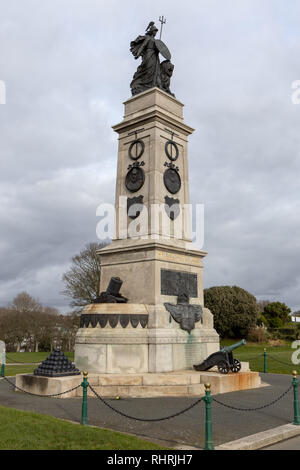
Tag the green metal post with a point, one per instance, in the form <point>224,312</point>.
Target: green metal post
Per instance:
<point>84,414</point>
<point>3,360</point>
<point>296,402</point>
<point>265,361</point>
<point>209,445</point>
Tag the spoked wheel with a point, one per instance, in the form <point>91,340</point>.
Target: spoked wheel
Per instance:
<point>223,367</point>
<point>236,366</point>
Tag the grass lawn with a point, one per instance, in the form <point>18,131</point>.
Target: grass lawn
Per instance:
<point>27,357</point>
<point>22,430</point>
<point>32,356</point>
<point>245,353</point>
<point>14,370</point>
<point>283,354</point>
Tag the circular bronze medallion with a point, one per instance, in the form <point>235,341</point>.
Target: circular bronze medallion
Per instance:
<point>171,150</point>
<point>136,149</point>
<point>135,179</point>
<point>172,180</point>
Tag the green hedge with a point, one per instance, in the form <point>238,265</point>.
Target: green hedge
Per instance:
<point>285,333</point>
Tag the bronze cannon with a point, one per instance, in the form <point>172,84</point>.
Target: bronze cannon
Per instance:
<point>223,359</point>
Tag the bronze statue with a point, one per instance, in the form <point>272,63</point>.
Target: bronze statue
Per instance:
<point>151,73</point>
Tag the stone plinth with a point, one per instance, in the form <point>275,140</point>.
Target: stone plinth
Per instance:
<point>139,339</point>
<point>181,383</point>
<point>231,382</point>
<point>48,385</point>
<point>140,264</point>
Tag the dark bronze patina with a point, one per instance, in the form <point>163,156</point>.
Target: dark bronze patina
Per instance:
<point>151,73</point>
<point>135,178</point>
<point>184,313</point>
<point>172,178</point>
<point>102,320</point>
<point>135,206</point>
<point>136,149</point>
<point>175,282</point>
<point>172,151</point>
<point>112,294</point>
<point>172,207</point>
<point>223,359</point>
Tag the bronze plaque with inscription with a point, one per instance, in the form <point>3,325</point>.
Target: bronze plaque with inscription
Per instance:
<point>177,282</point>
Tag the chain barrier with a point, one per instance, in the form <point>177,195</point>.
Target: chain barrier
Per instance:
<point>144,419</point>
<point>37,395</point>
<point>254,409</point>
<point>255,357</point>
<point>277,360</point>
<point>21,362</point>
<point>207,399</point>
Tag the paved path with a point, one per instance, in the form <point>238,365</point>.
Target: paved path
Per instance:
<point>290,444</point>
<point>188,429</point>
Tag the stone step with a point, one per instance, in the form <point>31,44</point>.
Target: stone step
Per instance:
<point>171,384</point>
<point>169,378</point>
<point>224,383</point>
<point>135,391</point>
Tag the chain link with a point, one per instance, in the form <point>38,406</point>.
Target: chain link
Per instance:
<point>36,394</point>
<point>144,419</point>
<point>254,409</point>
<point>277,360</point>
<point>255,357</point>
<point>20,362</point>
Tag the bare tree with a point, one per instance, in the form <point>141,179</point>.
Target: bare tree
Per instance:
<point>11,329</point>
<point>24,311</point>
<point>27,324</point>
<point>82,281</point>
<point>24,303</point>
<point>262,304</point>
<point>69,325</point>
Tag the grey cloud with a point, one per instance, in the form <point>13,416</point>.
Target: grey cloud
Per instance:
<point>67,68</point>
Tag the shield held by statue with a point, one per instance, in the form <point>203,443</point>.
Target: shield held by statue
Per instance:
<point>164,51</point>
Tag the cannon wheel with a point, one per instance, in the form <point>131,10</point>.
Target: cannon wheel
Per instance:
<point>236,366</point>
<point>223,367</point>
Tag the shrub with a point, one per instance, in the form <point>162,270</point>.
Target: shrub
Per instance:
<point>277,314</point>
<point>257,335</point>
<point>275,343</point>
<point>235,310</point>
<point>288,334</point>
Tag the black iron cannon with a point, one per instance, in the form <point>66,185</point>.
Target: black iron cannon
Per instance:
<point>223,359</point>
<point>112,294</point>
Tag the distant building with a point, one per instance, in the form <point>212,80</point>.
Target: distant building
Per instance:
<point>296,316</point>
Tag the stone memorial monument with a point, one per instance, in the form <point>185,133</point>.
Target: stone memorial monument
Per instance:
<point>149,327</point>
<point>163,325</point>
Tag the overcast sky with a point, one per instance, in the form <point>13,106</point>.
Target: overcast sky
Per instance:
<point>67,69</point>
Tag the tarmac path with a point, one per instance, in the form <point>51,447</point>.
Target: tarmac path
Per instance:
<point>188,428</point>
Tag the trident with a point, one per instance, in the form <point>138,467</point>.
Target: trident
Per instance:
<point>163,21</point>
